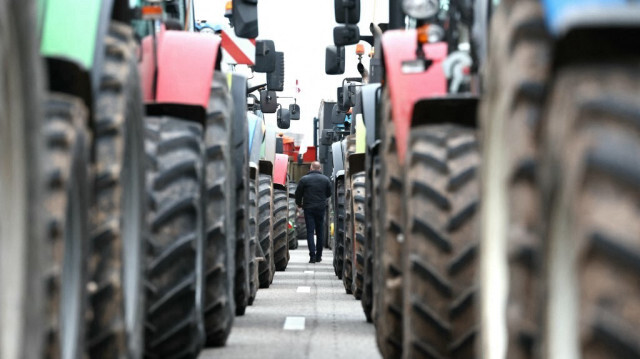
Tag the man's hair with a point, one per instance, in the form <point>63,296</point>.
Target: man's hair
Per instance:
<point>316,166</point>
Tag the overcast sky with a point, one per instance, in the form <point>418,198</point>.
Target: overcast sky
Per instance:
<point>302,29</point>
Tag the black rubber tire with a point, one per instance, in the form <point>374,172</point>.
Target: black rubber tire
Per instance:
<point>219,221</point>
<point>441,199</point>
<point>347,266</point>
<point>301,225</point>
<point>254,282</point>
<point>338,257</point>
<point>371,211</point>
<point>175,251</point>
<point>26,247</point>
<point>388,320</point>
<point>590,181</point>
<point>266,268</point>
<point>292,213</point>
<point>244,255</point>
<point>280,231</point>
<point>358,192</point>
<point>67,207</point>
<point>118,218</point>
<point>517,72</point>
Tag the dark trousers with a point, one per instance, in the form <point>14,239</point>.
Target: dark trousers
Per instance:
<point>314,219</point>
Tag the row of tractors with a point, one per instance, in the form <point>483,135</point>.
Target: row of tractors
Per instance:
<point>487,180</point>
<point>143,195</point>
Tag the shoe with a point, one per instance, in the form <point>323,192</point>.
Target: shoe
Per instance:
<point>319,259</point>
<point>312,260</point>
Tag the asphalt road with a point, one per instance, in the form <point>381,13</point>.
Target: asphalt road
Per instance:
<point>304,314</point>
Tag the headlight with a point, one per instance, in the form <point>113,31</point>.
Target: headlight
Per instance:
<point>207,30</point>
<point>420,9</point>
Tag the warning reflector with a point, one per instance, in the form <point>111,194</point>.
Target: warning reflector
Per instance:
<point>238,50</point>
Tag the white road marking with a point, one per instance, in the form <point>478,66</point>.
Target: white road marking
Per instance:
<point>304,290</point>
<point>308,272</point>
<point>294,323</point>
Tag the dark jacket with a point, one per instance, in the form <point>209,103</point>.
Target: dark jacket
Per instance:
<point>313,190</point>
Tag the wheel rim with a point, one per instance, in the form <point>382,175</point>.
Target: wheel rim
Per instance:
<point>493,261</point>
<point>71,313</point>
<point>132,241</point>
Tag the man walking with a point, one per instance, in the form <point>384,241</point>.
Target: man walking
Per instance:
<point>311,194</point>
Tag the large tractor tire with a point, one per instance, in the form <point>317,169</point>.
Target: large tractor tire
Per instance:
<point>388,285</point>
<point>175,248</point>
<point>347,272</point>
<point>220,218</point>
<point>118,220</point>
<point>340,214</point>
<point>441,199</point>
<point>244,256</point>
<point>301,225</point>
<point>372,189</point>
<point>358,205</point>
<point>266,268</point>
<point>36,171</point>
<point>590,183</point>
<point>280,230</point>
<point>292,213</point>
<point>510,272</point>
<point>254,282</point>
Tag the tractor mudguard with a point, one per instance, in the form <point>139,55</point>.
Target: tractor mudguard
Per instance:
<point>270,144</point>
<point>406,89</point>
<point>255,137</point>
<point>370,98</point>
<point>356,163</point>
<point>361,134</point>
<point>280,170</point>
<point>338,164</point>
<point>186,62</point>
<point>77,39</point>
<point>239,96</point>
<point>460,109</point>
<point>563,15</point>
<point>253,170</point>
<point>592,30</point>
<point>265,168</point>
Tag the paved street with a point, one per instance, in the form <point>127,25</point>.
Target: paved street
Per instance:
<point>304,314</point>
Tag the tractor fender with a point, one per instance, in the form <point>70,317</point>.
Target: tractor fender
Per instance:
<point>370,98</point>
<point>356,163</point>
<point>592,31</point>
<point>338,162</point>
<point>460,109</point>
<point>265,168</point>
<point>361,134</point>
<point>255,137</point>
<point>186,62</point>
<point>74,45</point>
<point>270,144</point>
<point>406,89</point>
<point>280,170</point>
<point>253,170</point>
<point>239,96</point>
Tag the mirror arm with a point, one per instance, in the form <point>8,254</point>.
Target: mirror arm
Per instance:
<point>254,88</point>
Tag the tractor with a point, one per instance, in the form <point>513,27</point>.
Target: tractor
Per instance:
<point>559,218</point>
<point>73,168</point>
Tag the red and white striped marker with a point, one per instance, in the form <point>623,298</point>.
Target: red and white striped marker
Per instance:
<point>238,50</point>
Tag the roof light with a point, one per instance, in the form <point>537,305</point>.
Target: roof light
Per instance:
<point>152,12</point>
<point>423,34</point>
<point>228,9</point>
<point>359,49</point>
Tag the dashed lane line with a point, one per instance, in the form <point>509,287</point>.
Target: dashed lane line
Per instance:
<point>294,323</point>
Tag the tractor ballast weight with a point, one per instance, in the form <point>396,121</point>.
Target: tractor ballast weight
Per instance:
<point>405,91</point>
<point>280,170</point>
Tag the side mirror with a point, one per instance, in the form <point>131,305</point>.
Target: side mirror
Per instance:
<point>327,137</point>
<point>294,111</point>
<point>245,18</point>
<point>348,95</point>
<point>337,116</point>
<point>283,118</point>
<point>334,60</point>
<point>346,35</point>
<point>347,11</point>
<point>268,101</point>
<point>265,56</point>
<point>340,102</point>
<point>275,79</point>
